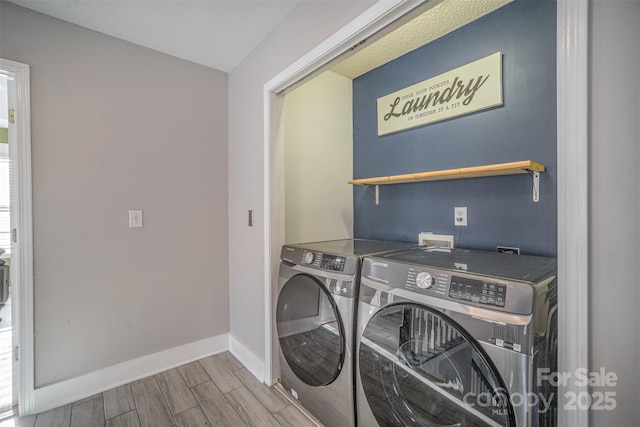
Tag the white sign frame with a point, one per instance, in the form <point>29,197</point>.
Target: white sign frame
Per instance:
<point>472,87</point>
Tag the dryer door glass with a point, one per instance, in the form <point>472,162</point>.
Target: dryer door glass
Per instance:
<point>310,330</point>
<point>420,368</point>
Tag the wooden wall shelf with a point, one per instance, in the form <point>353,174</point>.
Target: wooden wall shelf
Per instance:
<point>512,168</point>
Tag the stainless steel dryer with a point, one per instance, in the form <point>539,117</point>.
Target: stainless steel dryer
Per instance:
<point>455,337</point>
<point>315,315</point>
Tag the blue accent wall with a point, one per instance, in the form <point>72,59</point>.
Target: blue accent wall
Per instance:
<point>501,210</point>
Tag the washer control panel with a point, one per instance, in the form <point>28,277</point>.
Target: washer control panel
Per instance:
<point>478,291</point>
<point>433,282</point>
<point>424,280</point>
<point>460,286</point>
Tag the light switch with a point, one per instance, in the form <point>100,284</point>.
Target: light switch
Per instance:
<point>135,218</point>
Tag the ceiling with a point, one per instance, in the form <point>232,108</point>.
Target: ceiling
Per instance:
<point>214,33</point>
<point>439,18</point>
<point>221,33</point>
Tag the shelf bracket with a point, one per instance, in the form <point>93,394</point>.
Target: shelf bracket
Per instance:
<point>376,190</point>
<point>536,185</point>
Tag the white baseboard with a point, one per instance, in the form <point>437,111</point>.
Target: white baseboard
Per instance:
<point>77,388</point>
<point>253,363</point>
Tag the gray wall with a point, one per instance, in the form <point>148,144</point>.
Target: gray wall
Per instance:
<point>118,127</point>
<point>306,26</point>
<point>615,206</point>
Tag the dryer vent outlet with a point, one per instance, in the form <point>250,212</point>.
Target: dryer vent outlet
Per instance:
<point>508,250</point>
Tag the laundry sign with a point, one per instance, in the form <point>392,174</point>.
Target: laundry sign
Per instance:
<point>472,87</point>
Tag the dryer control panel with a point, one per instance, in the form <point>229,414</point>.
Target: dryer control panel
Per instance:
<point>323,261</point>
<point>320,261</point>
<point>332,262</point>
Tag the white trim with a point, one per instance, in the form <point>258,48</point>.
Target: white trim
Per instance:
<point>253,363</point>
<point>74,389</point>
<point>274,221</point>
<point>573,200</point>
<point>378,17</point>
<point>22,256</point>
<point>268,238</point>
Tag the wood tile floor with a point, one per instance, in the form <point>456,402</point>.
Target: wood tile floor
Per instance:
<point>214,391</point>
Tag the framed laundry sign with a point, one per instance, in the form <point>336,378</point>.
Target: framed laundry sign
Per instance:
<point>467,89</point>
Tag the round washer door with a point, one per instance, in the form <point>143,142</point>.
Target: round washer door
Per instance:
<point>310,330</point>
<point>418,367</point>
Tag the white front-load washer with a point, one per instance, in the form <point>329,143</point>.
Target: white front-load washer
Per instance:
<point>318,285</point>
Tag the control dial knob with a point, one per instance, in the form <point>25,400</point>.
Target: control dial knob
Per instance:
<point>308,258</point>
<point>424,280</point>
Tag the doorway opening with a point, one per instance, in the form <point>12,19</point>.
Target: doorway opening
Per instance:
<point>16,278</point>
<point>572,30</point>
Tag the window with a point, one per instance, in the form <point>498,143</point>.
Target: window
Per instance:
<point>5,221</point>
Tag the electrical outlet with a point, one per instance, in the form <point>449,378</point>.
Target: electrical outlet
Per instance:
<point>460,216</point>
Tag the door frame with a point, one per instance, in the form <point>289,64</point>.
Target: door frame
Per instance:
<point>572,45</point>
<point>573,29</point>
<point>21,218</point>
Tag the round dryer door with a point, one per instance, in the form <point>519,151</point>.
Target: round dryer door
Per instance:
<point>418,367</point>
<point>310,330</point>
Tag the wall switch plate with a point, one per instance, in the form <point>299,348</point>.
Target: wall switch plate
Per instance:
<point>135,218</point>
<point>460,216</point>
